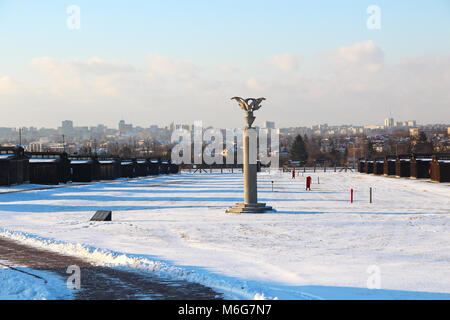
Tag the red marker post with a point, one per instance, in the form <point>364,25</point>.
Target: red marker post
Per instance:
<point>351,195</point>
<point>308,183</point>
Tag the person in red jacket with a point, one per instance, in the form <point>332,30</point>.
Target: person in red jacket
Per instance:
<point>293,174</point>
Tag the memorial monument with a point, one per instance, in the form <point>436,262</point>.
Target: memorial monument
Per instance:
<point>250,204</point>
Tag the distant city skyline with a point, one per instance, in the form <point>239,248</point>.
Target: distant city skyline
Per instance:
<point>74,138</point>
<point>123,125</point>
<point>154,62</point>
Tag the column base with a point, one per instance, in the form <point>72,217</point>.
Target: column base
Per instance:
<point>240,208</point>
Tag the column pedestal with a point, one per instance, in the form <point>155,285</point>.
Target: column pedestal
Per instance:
<point>250,208</point>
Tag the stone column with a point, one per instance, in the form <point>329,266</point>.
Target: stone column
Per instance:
<point>250,136</point>
<point>250,167</point>
<point>250,204</point>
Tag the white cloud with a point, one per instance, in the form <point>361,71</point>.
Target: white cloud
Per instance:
<point>94,66</point>
<point>226,68</point>
<point>344,89</point>
<point>82,78</point>
<point>362,52</point>
<point>285,62</point>
<point>365,55</point>
<point>8,86</point>
<point>254,84</point>
<point>164,66</point>
<point>98,66</point>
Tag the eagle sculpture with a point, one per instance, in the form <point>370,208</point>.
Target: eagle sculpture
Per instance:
<point>249,105</point>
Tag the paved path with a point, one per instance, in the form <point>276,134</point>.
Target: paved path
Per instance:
<point>99,283</point>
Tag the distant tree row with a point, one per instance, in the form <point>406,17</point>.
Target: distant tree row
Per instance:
<point>308,150</point>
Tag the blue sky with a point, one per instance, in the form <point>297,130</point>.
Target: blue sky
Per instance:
<point>217,31</point>
<point>214,33</point>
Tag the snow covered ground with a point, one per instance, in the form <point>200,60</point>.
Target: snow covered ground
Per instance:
<point>316,246</point>
<point>17,285</point>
